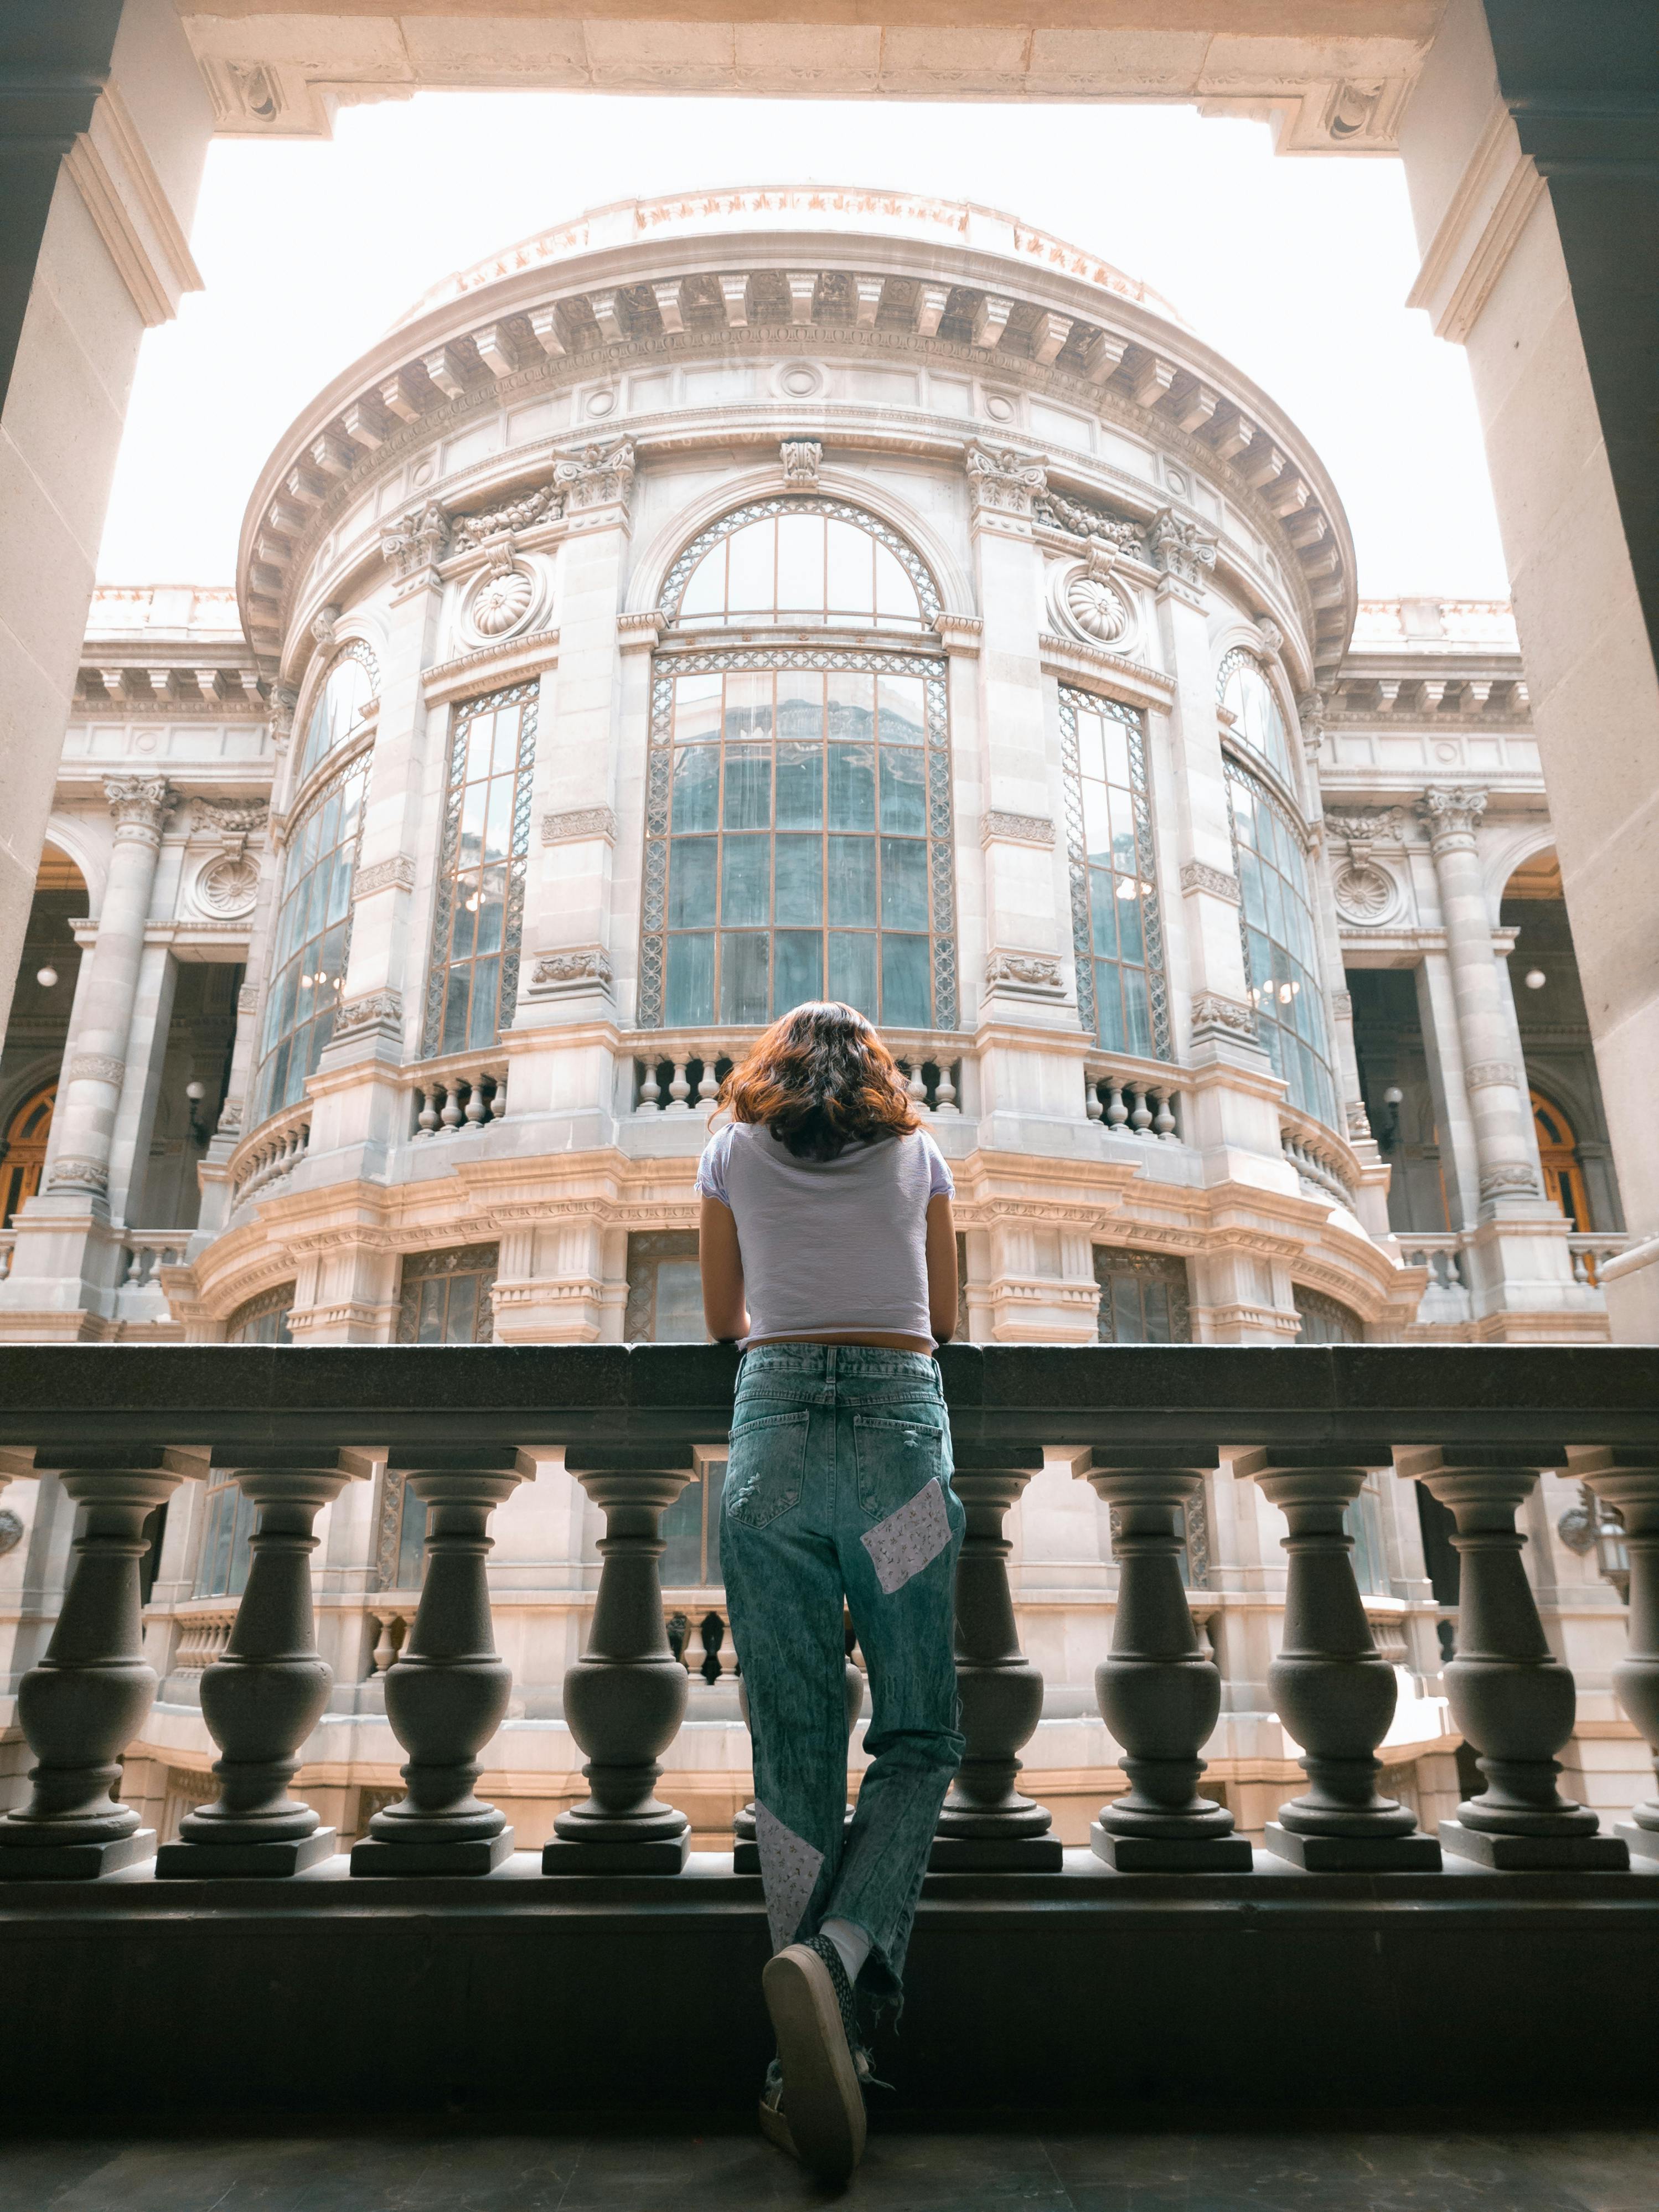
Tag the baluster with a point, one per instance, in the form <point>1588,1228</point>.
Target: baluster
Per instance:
<point>985,1822</point>
<point>451,1115</point>
<point>1116,1112</point>
<point>84,1702</point>
<point>649,1090</point>
<point>745,1851</point>
<point>385,1649</point>
<point>426,1119</point>
<point>446,1693</point>
<point>269,1688</point>
<point>1092,1106</point>
<point>1160,1691</point>
<point>1512,1697</point>
<point>1630,1481</point>
<point>625,1697</point>
<point>707,1085</point>
<point>498,1102</point>
<point>914,1084</point>
<point>1330,1688</point>
<point>711,1634</point>
<point>478,1109</point>
<point>1141,1120</point>
<point>1580,1270</point>
<point>680,1089</point>
<point>130,1269</point>
<point>944,1093</point>
<point>1163,1125</point>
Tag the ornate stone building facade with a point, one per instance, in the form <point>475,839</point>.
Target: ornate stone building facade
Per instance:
<point>728,600</point>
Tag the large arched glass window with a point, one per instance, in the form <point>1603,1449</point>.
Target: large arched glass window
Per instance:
<point>1281,962</point>
<point>472,984</point>
<point>1116,927</point>
<point>791,563</point>
<point>346,694</point>
<point>310,942</point>
<point>1257,722</point>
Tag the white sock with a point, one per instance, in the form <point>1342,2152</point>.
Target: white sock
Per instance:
<point>851,1942</point>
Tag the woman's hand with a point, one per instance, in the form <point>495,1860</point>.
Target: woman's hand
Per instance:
<point>724,1309</point>
<point>943,1291</point>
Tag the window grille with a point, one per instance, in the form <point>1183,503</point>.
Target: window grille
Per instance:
<point>343,697</point>
<point>477,923</point>
<point>1117,926</point>
<point>799,561</point>
<point>1243,688</point>
<point>1281,959</point>
<point>1144,1298</point>
<point>312,941</point>
<point>665,1288</point>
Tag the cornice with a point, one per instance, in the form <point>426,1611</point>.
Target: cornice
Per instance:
<point>1130,680</point>
<point>1482,225</point>
<point>510,662</point>
<point>130,210</point>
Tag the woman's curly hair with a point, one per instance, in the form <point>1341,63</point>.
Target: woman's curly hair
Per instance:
<point>821,1079</point>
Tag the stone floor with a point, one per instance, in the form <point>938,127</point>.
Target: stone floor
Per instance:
<point>1316,2170</point>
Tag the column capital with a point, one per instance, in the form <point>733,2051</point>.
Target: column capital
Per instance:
<point>597,475</point>
<point>1180,547</point>
<point>139,804</point>
<point>1450,813</point>
<point>1003,485</point>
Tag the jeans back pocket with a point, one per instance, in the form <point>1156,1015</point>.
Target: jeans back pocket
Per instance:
<point>765,1468</point>
<point>896,1459</point>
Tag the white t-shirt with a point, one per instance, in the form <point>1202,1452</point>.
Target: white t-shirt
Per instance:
<point>830,1248</point>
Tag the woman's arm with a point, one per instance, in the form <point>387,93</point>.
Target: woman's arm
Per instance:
<point>723,1306</point>
<point>943,1291</point>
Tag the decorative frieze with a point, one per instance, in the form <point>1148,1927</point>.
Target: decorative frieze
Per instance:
<point>802,460</point>
<point>71,1172</point>
<point>1025,975</point>
<point>378,1010</point>
<point>95,1068</point>
<point>526,511</point>
<point>1051,510</point>
<point>1002,483</point>
<point>598,476</point>
<point>556,974</point>
<point>1488,1074</point>
<point>639,632</point>
<point>396,874</point>
<point>1509,1179</point>
<point>1016,829</point>
<point>228,818</point>
<point>1215,1014</point>
<point>1199,876</point>
<point>581,823</point>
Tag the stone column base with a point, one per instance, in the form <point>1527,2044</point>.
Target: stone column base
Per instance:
<point>214,1861</point>
<point>1354,1854</point>
<point>481,1854</point>
<point>74,1861</point>
<point>1171,1854</point>
<point>666,1856</point>
<point>1641,1843</point>
<point>995,1855</point>
<point>1533,1853</point>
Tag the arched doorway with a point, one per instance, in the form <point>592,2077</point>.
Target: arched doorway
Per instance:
<point>23,1152</point>
<point>1558,1153</point>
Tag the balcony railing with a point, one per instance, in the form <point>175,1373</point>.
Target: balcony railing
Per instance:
<point>680,1072</point>
<point>269,1155</point>
<point>123,1427</point>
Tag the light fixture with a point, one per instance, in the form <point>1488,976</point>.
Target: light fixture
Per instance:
<point>1535,978</point>
<point>1392,1099</point>
<point>196,1093</point>
<point>45,977</point>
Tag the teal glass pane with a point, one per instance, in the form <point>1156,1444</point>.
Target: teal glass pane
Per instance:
<point>411,1541</point>
<point>486,992</point>
<point>697,788</point>
<point>748,788</point>
<point>852,706</point>
<point>1128,1325</point>
<point>463,918</point>
<point>903,884</point>
<point>796,969</point>
<point>853,970</point>
<point>1108,1006</point>
<point>691,882</point>
<point>690,980</point>
<point>1137,1014</point>
<point>801,706</point>
<point>852,787</point>
<point>1131,938</point>
<point>749,703</point>
<point>903,792</point>
<point>491,896</point>
<point>799,896</point>
<point>800,787</point>
<point>1103,912</point>
<point>745,994</point>
<point>906,998</point>
<point>901,708</point>
<point>745,885</point>
<point>681,1566</point>
<point>1155,1308</point>
<point>455,997</point>
<point>853,881</point>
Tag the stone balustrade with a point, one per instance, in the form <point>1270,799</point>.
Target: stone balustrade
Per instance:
<point>145,1252</point>
<point>1324,1165</point>
<point>685,1074</point>
<point>1146,1426</point>
<point>8,1246</point>
<point>271,1153</point>
<point>457,1096</point>
<point>1124,1102</point>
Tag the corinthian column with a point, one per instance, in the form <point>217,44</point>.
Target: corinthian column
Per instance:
<point>94,1071</point>
<point>1505,1148</point>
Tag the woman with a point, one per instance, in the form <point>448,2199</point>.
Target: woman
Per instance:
<point>828,1251</point>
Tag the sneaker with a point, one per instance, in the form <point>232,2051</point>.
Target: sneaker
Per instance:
<point>774,2122</point>
<point>811,2002</point>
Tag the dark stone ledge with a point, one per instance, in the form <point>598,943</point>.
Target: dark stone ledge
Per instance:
<point>234,1396</point>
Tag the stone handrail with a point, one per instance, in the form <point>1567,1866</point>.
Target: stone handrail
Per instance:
<point>273,1150</point>
<point>1319,1155</point>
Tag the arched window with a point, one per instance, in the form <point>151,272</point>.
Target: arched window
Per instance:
<point>472,984</point>
<point>798,829</point>
<point>1281,962</point>
<point>1116,927</point>
<point>1325,1319</point>
<point>23,1154</point>
<point>1257,722</point>
<point>343,697</point>
<point>1558,1155</point>
<point>794,563</point>
<point>310,942</point>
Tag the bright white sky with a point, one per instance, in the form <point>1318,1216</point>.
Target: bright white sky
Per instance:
<point>1295,269</point>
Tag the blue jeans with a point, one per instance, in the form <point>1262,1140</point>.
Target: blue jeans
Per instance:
<point>838,1487</point>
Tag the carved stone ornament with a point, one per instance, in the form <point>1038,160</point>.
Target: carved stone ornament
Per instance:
<point>227,887</point>
<point>11,1530</point>
<point>378,1010</point>
<point>69,1172</point>
<point>1023,975</point>
<point>1198,876</point>
<point>502,602</point>
<point>1509,1179</point>
<point>247,998</point>
<point>1180,546</point>
<point>229,818</point>
<point>1311,709</point>
<point>1365,893</point>
<point>598,476</point>
<point>1214,1014</point>
<point>1491,1074</point>
<point>1095,607</point>
<point>1001,481</point>
<point>283,700</point>
<point>1342,1005</point>
<point>581,823</point>
<point>396,874</point>
<point>419,540</point>
<point>230,1119</point>
<point>1359,1120</point>
<point>587,969</point>
<point>469,532</point>
<point>95,1068</point>
<point>323,625</point>
<point>1054,512</point>
<point>139,804</point>
<point>1269,635</point>
<point>1016,829</point>
<point>1451,813</point>
<point>802,460</point>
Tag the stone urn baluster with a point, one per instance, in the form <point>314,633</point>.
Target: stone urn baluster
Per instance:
<point>985,1823</point>
<point>1160,1692</point>
<point>81,1705</point>
<point>1630,1481</point>
<point>625,1697</point>
<point>447,1691</point>
<point>269,1688</point>
<point>1510,1696</point>
<point>1332,1689</point>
